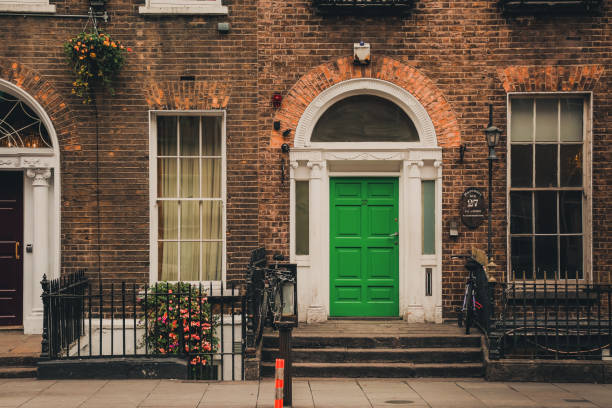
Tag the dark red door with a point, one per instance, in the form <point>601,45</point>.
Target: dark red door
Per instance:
<point>11,248</point>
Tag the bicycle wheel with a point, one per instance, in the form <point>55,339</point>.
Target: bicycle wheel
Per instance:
<point>468,311</point>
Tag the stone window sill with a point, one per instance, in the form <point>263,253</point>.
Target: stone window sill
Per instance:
<point>27,7</point>
<point>213,9</point>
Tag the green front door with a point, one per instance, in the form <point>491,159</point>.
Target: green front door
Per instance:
<point>364,261</point>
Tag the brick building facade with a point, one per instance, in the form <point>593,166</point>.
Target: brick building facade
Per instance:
<point>443,63</point>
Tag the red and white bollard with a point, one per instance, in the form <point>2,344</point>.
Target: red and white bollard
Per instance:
<point>279,382</point>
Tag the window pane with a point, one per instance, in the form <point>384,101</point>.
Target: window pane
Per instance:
<point>521,120</point>
<point>211,178</point>
<point>166,135</point>
<point>571,257</point>
<point>570,205</point>
<point>190,136</point>
<point>546,257</point>
<point>190,219</point>
<point>546,165</point>
<point>429,216</point>
<point>190,261</point>
<point>211,136</point>
<point>212,257</point>
<point>365,118</point>
<point>166,178</point>
<point>571,165</point>
<point>301,217</point>
<point>547,119</point>
<point>211,220</point>
<point>545,212</point>
<point>522,257</point>
<point>167,253</point>
<point>167,215</point>
<point>190,178</point>
<point>571,120</point>
<point>520,213</point>
<point>522,168</point>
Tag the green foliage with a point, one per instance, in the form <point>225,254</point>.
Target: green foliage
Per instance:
<point>95,58</point>
<point>179,321</point>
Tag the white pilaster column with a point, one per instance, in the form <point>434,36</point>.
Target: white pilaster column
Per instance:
<point>316,310</point>
<point>415,276</point>
<point>40,196</point>
<point>437,278</point>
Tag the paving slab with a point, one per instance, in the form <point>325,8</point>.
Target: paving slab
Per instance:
<point>600,395</point>
<point>231,394</point>
<point>302,398</point>
<point>121,393</point>
<point>550,395</point>
<point>385,393</point>
<point>14,392</point>
<point>338,393</point>
<point>176,393</point>
<point>65,394</point>
<point>497,395</point>
<point>444,394</point>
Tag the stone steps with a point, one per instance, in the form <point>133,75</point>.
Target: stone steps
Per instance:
<point>392,349</point>
<point>18,366</point>
<point>380,370</point>
<point>18,372</point>
<point>392,355</point>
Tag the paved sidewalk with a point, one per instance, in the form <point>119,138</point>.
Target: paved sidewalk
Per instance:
<point>319,393</point>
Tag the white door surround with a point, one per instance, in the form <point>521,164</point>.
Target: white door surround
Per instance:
<point>41,172</point>
<point>411,162</point>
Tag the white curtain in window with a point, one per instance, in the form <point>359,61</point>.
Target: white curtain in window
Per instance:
<point>194,220</point>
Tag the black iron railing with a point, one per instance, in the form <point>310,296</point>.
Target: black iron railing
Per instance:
<point>549,7</point>
<point>557,320</point>
<point>203,324</point>
<point>367,7</point>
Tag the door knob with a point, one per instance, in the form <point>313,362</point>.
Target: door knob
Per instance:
<point>395,234</point>
<point>17,250</point>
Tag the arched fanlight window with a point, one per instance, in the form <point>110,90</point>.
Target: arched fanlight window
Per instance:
<point>365,118</point>
<point>19,126</point>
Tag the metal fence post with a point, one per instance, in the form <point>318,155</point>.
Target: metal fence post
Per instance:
<point>44,354</point>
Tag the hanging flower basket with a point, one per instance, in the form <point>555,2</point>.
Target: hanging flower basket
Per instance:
<point>95,59</point>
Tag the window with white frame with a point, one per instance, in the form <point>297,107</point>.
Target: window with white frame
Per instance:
<point>190,198</point>
<point>164,7</point>
<point>548,176</point>
<point>27,6</point>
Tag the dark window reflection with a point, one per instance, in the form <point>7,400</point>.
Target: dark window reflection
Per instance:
<point>571,257</point>
<point>521,257</point>
<point>546,165</point>
<point>365,118</point>
<point>546,212</point>
<point>546,257</point>
<point>522,166</point>
<point>520,212</point>
<point>570,206</point>
<point>571,165</point>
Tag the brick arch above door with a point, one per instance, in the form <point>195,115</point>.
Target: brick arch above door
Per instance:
<point>320,78</point>
<point>49,98</point>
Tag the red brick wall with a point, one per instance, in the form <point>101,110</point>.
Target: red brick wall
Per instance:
<point>464,50</point>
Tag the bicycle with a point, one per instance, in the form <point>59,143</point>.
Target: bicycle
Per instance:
<point>467,313</point>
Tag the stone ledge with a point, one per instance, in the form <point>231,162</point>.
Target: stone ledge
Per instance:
<point>183,10</point>
<point>574,371</point>
<point>113,368</point>
<point>42,7</point>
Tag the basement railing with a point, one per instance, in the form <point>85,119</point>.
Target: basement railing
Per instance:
<point>202,325</point>
<point>551,320</point>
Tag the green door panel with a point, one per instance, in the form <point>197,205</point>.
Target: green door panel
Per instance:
<point>364,252</point>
